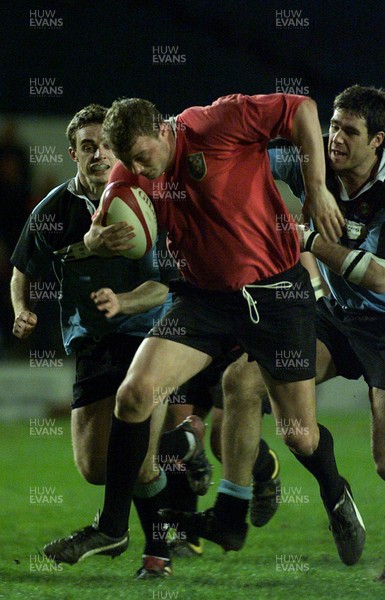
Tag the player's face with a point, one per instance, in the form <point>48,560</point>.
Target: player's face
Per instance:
<point>149,156</point>
<point>349,146</point>
<point>94,157</point>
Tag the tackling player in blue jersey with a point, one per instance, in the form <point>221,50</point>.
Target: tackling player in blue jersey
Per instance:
<point>103,342</point>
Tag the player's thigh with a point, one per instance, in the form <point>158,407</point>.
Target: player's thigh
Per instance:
<point>325,367</point>
<point>90,426</point>
<point>159,367</point>
<point>294,408</point>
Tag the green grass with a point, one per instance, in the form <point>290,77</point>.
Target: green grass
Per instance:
<point>298,533</point>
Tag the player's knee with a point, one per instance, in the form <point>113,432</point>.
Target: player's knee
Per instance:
<point>238,375</point>
<point>134,399</point>
<point>231,378</point>
<point>242,385</point>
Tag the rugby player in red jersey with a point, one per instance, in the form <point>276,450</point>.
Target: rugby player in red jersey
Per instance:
<point>232,260</point>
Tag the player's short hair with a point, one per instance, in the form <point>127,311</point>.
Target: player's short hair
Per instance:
<point>129,118</point>
<point>93,113</point>
<point>365,102</point>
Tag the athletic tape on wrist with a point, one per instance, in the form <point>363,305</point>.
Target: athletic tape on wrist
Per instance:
<point>308,239</point>
<point>355,265</point>
<point>380,261</point>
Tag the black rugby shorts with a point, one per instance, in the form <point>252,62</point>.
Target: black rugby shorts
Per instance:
<point>101,366</point>
<point>355,340</point>
<point>275,326</point>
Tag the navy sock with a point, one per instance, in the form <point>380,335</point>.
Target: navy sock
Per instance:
<point>322,464</point>
<point>181,496</point>
<point>232,503</point>
<point>127,449</point>
<point>152,525</point>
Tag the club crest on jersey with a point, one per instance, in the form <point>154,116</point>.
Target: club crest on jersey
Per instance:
<point>354,230</point>
<point>196,165</point>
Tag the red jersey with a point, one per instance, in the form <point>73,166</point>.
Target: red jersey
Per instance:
<point>218,200</point>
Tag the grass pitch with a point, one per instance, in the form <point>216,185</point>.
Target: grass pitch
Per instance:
<point>293,557</point>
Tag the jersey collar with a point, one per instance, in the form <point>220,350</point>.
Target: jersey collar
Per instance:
<point>75,187</point>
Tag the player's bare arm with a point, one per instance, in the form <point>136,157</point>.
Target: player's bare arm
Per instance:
<point>146,296</point>
<point>357,266</point>
<point>25,320</point>
<point>108,240</point>
<point>320,205</point>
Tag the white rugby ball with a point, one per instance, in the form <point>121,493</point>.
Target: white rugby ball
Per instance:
<point>123,202</point>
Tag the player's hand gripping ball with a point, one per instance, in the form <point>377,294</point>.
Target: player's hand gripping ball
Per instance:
<point>123,202</point>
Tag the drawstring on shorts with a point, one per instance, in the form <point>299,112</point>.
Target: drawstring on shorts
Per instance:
<point>253,303</point>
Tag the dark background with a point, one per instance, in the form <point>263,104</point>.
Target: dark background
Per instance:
<point>105,49</point>
<point>99,50</point>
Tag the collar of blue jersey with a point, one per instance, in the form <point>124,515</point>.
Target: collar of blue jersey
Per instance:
<point>75,187</point>
<point>380,176</point>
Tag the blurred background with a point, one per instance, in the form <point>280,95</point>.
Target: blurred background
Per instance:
<point>60,56</point>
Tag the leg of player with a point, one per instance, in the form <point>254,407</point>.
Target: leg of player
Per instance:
<point>312,445</point>
<point>158,365</point>
<point>244,393</point>
<point>243,389</point>
<point>241,406</point>
<point>90,426</point>
<point>150,494</point>
<point>325,367</point>
<point>184,436</point>
<point>184,443</point>
<point>225,523</point>
<point>377,402</point>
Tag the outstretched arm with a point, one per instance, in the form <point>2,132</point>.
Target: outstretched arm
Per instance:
<point>141,299</point>
<point>320,204</point>
<point>356,266</point>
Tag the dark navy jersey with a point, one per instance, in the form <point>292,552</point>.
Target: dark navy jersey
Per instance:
<point>364,218</point>
<point>53,238</point>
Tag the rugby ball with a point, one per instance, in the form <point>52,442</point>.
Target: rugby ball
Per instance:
<point>123,202</point>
